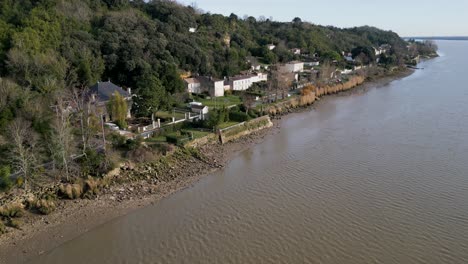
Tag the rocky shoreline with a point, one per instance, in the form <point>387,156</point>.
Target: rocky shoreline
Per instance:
<point>42,233</point>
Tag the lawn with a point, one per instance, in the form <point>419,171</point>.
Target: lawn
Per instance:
<point>197,133</point>
<point>227,124</point>
<point>219,102</point>
<point>169,114</point>
<point>158,139</point>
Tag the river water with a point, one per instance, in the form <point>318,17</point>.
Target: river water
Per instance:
<point>374,177</point>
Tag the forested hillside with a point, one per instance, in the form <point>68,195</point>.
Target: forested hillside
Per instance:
<point>49,47</point>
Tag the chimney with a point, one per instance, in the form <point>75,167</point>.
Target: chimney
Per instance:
<point>129,90</point>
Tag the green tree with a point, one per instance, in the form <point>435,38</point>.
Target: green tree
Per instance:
<point>150,96</point>
<point>171,80</point>
<point>118,108</point>
<point>5,181</point>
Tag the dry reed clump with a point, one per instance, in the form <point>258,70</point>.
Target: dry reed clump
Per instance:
<point>272,111</point>
<point>71,191</point>
<point>294,103</point>
<point>2,228</point>
<point>279,110</point>
<point>45,206</point>
<point>91,187</point>
<point>15,223</point>
<point>307,99</point>
<point>13,210</point>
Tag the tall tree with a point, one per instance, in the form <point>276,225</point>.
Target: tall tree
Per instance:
<point>62,141</point>
<point>118,108</point>
<point>23,148</point>
<point>150,96</point>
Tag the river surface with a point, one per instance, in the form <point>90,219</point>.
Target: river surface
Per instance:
<point>374,177</point>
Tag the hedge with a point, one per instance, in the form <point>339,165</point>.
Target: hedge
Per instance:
<point>238,116</point>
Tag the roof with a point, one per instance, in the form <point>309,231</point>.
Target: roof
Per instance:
<point>242,77</point>
<point>201,79</point>
<point>294,62</point>
<point>198,107</point>
<point>105,90</point>
<point>191,80</point>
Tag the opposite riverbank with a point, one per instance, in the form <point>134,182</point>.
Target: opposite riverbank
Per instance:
<point>72,218</point>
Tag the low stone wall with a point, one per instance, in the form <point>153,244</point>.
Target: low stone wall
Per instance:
<point>209,139</point>
<point>243,129</point>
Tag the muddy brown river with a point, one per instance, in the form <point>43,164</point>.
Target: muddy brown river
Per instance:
<point>374,177</point>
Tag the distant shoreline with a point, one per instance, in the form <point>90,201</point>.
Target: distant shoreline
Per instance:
<point>439,38</point>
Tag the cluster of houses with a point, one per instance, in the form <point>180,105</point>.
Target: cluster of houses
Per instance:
<point>217,87</point>
<point>383,49</point>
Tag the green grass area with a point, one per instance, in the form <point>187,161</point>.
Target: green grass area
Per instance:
<point>197,133</point>
<point>169,115</point>
<point>227,124</point>
<point>158,139</point>
<point>219,102</point>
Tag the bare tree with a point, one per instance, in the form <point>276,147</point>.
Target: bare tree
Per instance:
<point>83,111</point>
<point>248,101</point>
<point>62,136</point>
<point>272,84</point>
<point>285,82</point>
<point>326,72</point>
<point>23,141</point>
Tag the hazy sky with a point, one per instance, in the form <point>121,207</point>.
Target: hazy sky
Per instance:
<point>406,17</point>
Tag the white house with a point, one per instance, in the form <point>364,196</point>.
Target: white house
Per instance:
<point>312,63</point>
<point>192,30</point>
<point>193,85</point>
<point>201,84</point>
<point>255,67</point>
<point>271,46</point>
<point>202,110</point>
<point>244,82</point>
<point>348,57</point>
<point>346,71</point>
<point>293,66</point>
<point>240,83</point>
<point>259,77</point>
<point>296,51</point>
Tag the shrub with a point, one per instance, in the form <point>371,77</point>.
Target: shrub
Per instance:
<point>19,181</point>
<point>45,206</point>
<point>91,187</point>
<point>2,228</point>
<point>118,141</point>
<point>141,154</point>
<point>71,191</point>
<point>177,138</point>
<point>5,180</point>
<point>97,163</point>
<point>239,116</point>
<point>13,210</point>
<point>163,148</point>
<point>13,223</point>
<point>253,113</point>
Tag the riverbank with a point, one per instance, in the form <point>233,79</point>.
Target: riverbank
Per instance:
<point>75,217</point>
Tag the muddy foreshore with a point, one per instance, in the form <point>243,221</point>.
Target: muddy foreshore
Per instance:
<point>42,233</point>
